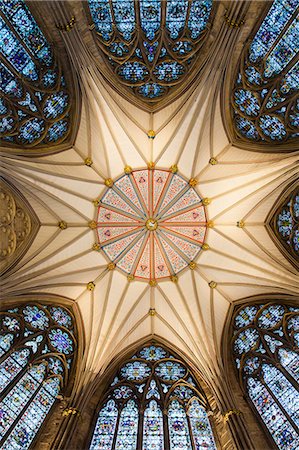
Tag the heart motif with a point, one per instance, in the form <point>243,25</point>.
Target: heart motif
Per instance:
<point>195,215</point>
<point>107,233</point>
<point>143,268</point>
<point>108,216</point>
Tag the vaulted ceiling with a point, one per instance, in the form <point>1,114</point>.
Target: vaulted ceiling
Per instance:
<point>239,186</point>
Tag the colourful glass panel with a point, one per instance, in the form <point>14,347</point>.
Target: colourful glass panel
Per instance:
<point>135,371</point>
<point>290,361</point>
<point>178,427</point>
<point>170,371</point>
<point>61,316</point>
<point>61,341</point>
<point>150,67</point>
<point>246,340</point>
<point>280,429</point>
<point>142,204</point>
<point>30,82</point>
<point>153,435</point>
<point>12,365</point>
<point>245,316</point>
<point>128,427</point>
<point>153,353</point>
<point>105,428</point>
<point>200,427</point>
<point>268,71</point>
<point>24,432</point>
<point>36,317</point>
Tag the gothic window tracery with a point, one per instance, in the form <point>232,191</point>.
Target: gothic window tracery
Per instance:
<point>151,46</point>
<point>37,352</point>
<point>265,102</point>
<point>283,224</point>
<point>153,402</point>
<point>35,102</point>
<point>266,354</point>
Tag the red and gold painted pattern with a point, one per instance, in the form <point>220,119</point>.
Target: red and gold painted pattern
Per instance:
<point>151,224</point>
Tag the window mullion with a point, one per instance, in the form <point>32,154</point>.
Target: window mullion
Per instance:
<point>166,429</point>
<point>23,410</point>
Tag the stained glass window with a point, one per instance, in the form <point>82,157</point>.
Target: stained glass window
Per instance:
<point>35,102</point>
<point>153,403</point>
<point>266,354</point>
<point>265,107</point>
<point>150,45</point>
<point>283,224</point>
<point>35,362</point>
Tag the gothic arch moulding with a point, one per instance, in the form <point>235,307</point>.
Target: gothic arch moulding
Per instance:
<point>263,344</point>
<point>263,90</point>
<point>282,223</point>
<point>150,51</point>
<point>19,226</point>
<point>38,106</point>
<point>39,349</point>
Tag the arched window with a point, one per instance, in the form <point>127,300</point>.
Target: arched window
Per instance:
<point>37,350</point>
<point>153,403</point>
<point>283,223</point>
<point>35,103</point>
<point>266,354</point>
<point>150,46</point>
<point>265,103</point>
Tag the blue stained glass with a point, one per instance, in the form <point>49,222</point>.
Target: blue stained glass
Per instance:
<point>17,12</point>
<point>124,17</point>
<point>280,429</point>
<point>246,102</point>
<point>36,317</point>
<point>57,130</point>
<point>283,390</point>
<point>245,316</point>
<point>15,53</point>
<point>61,316</point>
<point>200,426</point>
<point>135,371</point>
<point>246,128</point>
<point>49,79</point>
<point>119,49</point>
<point>296,240</point>
<point>153,353</point>
<point>31,130</point>
<point>253,75</point>
<point>11,366</point>
<point>150,50</point>
<point>274,99</point>
<point>199,15</point>
<point>19,395</point>
<point>183,393</point>
<point>290,81</point>
<point>105,427</point>
<point>169,71</point>
<point>246,341</point>
<point>55,366</point>
<point>251,365</point>
<point>24,432</point>
<point>5,342</point>
<point>128,427</point>
<point>55,105</point>
<point>170,371</point>
<point>176,12</point>
<point>285,223</point>
<point>276,19</point>
<point>182,47</point>
<point>153,436</point>
<point>133,72</point>
<point>151,90</point>
<point>3,108</point>
<point>290,361</point>
<point>273,344</point>
<point>150,17</point>
<point>272,127</point>
<point>122,392</point>
<point>294,120</point>
<point>271,316</point>
<point>7,124</point>
<point>10,323</point>
<point>101,15</point>
<point>152,390</point>
<point>61,341</point>
<point>9,85</point>
<point>28,102</point>
<point>179,437</point>
<point>284,51</point>
<point>296,206</point>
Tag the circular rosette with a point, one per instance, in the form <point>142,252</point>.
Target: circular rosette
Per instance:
<point>151,224</point>
<point>61,341</point>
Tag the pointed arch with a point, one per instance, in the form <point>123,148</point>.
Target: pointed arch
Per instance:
<point>37,98</point>
<point>158,395</point>
<point>264,105</point>
<point>265,353</point>
<point>282,223</point>
<point>38,356</point>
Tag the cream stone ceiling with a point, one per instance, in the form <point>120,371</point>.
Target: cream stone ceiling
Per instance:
<point>243,186</point>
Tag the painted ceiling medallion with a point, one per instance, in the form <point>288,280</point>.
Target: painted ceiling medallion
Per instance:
<point>151,46</point>
<point>151,224</point>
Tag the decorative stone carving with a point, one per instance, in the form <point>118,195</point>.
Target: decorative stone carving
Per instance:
<point>18,225</point>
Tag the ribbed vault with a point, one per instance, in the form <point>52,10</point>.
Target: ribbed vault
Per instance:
<point>240,188</point>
